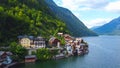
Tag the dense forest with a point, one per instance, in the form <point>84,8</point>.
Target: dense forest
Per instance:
<point>27,17</point>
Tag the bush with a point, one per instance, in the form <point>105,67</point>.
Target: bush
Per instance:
<point>43,54</point>
<point>18,51</point>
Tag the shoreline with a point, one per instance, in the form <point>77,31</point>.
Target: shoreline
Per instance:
<point>57,58</point>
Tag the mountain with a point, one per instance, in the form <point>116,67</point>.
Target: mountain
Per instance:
<point>36,17</point>
<point>27,17</point>
<point>111,28</point>
<point>94,27</point>
<point>75,26</point>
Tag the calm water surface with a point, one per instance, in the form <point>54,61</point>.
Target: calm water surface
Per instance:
<point>104,53</point>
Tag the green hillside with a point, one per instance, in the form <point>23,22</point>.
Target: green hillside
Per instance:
<point>75,26</point>
<point>27,17</point>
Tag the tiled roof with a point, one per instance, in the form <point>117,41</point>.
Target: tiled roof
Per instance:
<point>25,36</point>
<point>39,38</point>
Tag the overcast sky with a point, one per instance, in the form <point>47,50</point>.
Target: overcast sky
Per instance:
<point>92,12</point>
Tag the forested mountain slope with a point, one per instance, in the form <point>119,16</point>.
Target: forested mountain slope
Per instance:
<point>76,27</point>
<point>27,17</point>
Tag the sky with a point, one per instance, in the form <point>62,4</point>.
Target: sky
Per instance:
<point>92,12</point>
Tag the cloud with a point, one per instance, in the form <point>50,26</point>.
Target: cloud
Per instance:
<point>113,7</point>
<point>58,2</point>
<point>83,4</point>
<point>96,22</point>
<point>71,4</point>
<point>84,9</point>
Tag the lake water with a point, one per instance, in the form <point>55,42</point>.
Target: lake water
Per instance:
<point>104,52</point>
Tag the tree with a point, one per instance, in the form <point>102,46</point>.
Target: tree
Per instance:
<point>27,17</point>
<point>1,9</point>
<point>43,54</point>
<point>18,51</point>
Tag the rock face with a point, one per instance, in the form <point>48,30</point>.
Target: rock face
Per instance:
<point>111,28</point>
<point>75,26</point>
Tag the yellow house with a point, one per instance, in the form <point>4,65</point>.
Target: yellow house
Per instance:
<point>25,42</point>
<point>32,42</point>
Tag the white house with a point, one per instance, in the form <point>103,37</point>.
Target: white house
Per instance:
<point>39,42</point>
<point>69,49</point>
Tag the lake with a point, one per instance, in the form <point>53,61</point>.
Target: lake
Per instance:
<point>104,52</point>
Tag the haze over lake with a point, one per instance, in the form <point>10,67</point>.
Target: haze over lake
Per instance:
<point>104,53</point>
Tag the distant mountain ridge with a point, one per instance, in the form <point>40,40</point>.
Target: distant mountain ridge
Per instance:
<point>111,28</point>
<point>94,27</point>
<point>76,27</point>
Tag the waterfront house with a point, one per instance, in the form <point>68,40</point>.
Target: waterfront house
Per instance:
<point>69,49</point>
<point>2,58</point>
<point>2,55</point>
<point>77,43</point>
<point>32,42</point>
<point>39,42</point>
<point>30,58</point>
<point>75,46</point>
<point>67,37</point>
<point>54,41</point>
<point>5,57</point>
<point>25,41</point>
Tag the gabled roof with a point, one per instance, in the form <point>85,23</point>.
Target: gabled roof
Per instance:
<point>8,53</point>
<point>39,38</point>
<point>52,39</point>
<point>25,36</point>
<point>2,52</point>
